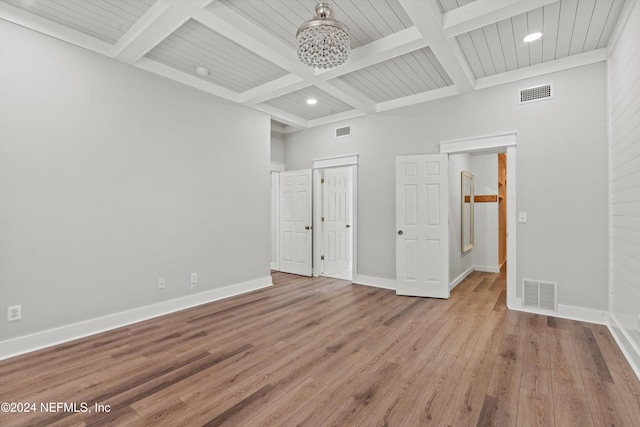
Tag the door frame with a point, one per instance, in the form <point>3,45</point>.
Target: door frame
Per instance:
<point>500,143</point>
<point>276,168</point>
<point>327,163</point>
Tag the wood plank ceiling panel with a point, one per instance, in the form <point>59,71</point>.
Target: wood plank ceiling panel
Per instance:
<point>409,74</point>
<point>296,103</point>
<point>468,49</point>
<point>231,66</point>
<point>584,13</point>
<point>570,27</point>
<point>598,21</point>
<point>535,22</point>
<point>612,19</point>
<point>520,29</point>
<point>551,17</point>
<point>507,44</point>
<point>492,36</point>
<point>367,21</point>
<point>106,20</point>
<point>482,50</point>
<point>449,5</point>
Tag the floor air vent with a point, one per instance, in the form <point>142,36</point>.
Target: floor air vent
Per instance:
<point>537,294</point>
<point>345,131</point>
<point>537,93</point>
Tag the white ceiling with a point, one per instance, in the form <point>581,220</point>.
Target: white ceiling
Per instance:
<point>403,51</point>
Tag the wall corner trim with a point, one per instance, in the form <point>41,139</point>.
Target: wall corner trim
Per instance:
<point>28,343</point>
<point>460,278</point>
<point>629,349</point>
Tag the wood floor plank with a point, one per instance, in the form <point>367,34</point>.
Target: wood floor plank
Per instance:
<point>505,379</point>
<point>321,351</point>
<point>570,400</point>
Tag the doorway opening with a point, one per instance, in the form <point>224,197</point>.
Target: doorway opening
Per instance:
<point>336,223</point>
<point>335,217</point>
<point>503,143</point>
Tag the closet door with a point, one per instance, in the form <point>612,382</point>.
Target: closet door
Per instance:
<point>422,232</point>
<point>295,222</point>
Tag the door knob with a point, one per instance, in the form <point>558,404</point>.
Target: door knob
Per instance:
<point>400,233</point>
<point>348,226</point>
<point>307,227</point>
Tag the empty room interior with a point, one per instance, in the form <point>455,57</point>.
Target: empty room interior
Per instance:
<point>354,213</point>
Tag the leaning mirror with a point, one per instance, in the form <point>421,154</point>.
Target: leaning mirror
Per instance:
<point>467,211</point>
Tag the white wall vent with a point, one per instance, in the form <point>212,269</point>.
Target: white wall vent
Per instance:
<point>342,132</point>
<point>538,294</point>
<point>537,93</point>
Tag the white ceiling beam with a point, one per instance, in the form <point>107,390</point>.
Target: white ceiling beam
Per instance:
<point>347,94</point>
<point>226,22</point>
<point>283,116</point>
<point>36,23</point>
<point>562,64</point>
<point>241,31</point>
<point>419,98</point>
<point>428,22</point>
<point>394,45</point>
<point>187,79</point>
<point>273,89</point>
<point>479,13</point>
<point>347,115</point>
<point>150,30</point>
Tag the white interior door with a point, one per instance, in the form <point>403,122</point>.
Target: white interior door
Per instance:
<point>336,225</point>
<point>422,240</point>
<point>295,222</point>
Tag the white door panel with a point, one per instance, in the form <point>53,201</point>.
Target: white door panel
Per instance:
<point>422,241</point>
<point>336,227</point>
<point>295,222</point>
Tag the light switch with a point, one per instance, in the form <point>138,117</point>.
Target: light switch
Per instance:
<point>522,217</point>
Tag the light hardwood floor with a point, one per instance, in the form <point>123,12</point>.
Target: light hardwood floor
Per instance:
<point>322,351</point>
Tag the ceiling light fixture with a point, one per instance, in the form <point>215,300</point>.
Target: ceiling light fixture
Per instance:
<point>532,37</point>
<point>323,42</point>
<point>203,71</point>
<point>312,101</point>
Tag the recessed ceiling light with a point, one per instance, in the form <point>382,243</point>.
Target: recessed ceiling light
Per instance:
<point>312,101</point>
<point>203,71</point>
<point>532,37</point>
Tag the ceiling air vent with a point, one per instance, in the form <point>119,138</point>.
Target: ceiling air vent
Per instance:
<point>342,132</point>
<point>538,294</point>
<point>537,93</point>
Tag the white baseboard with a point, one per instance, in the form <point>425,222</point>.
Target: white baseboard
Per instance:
<point>460,278</point>
<point>570,312</point>
<point>376,282</point>
<point>16,346</point>
<point>486,268</point>
<point>629,349</point>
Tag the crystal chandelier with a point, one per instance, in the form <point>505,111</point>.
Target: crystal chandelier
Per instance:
<point>323,42</point>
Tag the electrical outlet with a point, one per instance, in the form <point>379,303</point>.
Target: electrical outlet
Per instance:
<point>161,283</point>
<point>14,313</point>
<point>522,217</point>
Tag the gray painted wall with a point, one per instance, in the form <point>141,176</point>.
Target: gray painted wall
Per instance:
<point>459,262</point>
<point>111,177</point>
<point>561,165</point>
<point>277,147</point>
<point>485,170</point>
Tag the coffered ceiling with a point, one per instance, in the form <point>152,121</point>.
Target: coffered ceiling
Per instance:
<point>403,51</point>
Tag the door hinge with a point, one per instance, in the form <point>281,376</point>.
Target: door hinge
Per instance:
<point>322,257</point>
<point>322,181</point>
